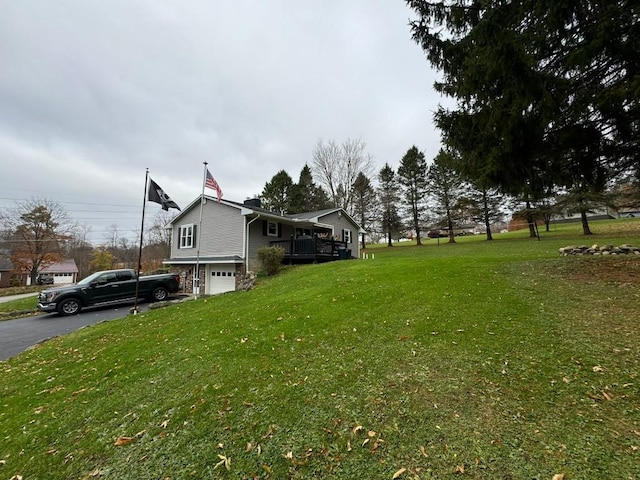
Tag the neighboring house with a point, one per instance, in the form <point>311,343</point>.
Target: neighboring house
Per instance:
<point>629,213</point>
<point>601,213</point>
<point>6,272</point>
<point>231,234</point>
<point>62,273</point>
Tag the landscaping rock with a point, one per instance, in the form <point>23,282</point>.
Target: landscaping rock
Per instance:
<point>595,249</point>
<point>248,282</point>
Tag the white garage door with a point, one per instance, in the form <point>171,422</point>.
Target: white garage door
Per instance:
<point>221,278</point>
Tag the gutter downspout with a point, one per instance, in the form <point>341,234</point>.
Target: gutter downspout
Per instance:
<point>246,243</point>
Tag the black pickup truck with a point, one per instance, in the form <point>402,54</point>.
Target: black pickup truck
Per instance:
<point>106,287</point>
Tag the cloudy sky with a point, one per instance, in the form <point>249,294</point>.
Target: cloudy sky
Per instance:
<point>92,93</point>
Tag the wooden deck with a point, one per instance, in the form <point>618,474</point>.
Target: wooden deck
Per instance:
<point>312,250</point>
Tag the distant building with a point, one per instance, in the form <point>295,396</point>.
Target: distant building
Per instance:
<point>61,273</point>
<point>6,271</point>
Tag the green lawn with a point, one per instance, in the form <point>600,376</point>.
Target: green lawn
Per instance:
<point>487,360</point>
<point>8,309</point>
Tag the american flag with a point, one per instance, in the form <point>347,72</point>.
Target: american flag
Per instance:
<point>211,183</point>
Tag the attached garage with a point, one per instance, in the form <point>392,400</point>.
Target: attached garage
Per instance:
<point>220,278</point>
<point>217,274</point>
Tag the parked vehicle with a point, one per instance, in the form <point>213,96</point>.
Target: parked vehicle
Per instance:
<point>44,280</point>
<point>107,287</point>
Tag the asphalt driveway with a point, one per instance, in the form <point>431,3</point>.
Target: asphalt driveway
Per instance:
<point>18,335</point>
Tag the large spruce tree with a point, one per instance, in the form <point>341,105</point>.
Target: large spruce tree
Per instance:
<point>306,196</point>
<point>446,188</point>
<point>276,193</point>
<point>364,204</point>
<point>546,92</point>
<point>388,196</point>
<point>412,175</point>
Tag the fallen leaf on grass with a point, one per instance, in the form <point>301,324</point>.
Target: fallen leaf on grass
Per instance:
<point>598,368</point>
<point>94,474</point>
<point>607,395</point>
<point>422,450</point>
<point>398,473</point>
<point>165,423</point>
<point>558,476</point>
<point>459,469</point>
<point>226,461</point>
<point>356,429</point>
<point>123,441</point>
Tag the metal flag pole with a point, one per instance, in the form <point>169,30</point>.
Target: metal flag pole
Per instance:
<point>144,204</point>
<point>196,273</point>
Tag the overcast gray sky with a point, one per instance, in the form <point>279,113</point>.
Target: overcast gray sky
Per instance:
<point>93,92</point>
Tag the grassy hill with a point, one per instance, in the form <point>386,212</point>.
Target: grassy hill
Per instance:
<point>481,360</point>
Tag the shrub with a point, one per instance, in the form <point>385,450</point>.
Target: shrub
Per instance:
<point>270,259</point>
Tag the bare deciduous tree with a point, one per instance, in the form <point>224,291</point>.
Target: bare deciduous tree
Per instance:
<point>336,168</point>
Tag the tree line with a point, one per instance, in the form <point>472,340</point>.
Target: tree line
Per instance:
<point>391,204</point>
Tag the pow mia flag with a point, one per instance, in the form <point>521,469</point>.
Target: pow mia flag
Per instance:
<point>157,195</point>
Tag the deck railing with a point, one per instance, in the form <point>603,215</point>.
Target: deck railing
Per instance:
<point>310,247</point>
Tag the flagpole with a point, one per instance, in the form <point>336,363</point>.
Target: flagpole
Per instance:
<point>144,204</point>
<point>196,273</point>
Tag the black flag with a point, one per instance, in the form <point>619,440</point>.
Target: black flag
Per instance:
<point>157,195</point>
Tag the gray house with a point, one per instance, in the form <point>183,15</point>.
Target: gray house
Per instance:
<point>222,239</point>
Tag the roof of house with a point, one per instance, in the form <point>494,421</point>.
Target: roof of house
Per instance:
<point>293,218</point>
<point>66,266</point>
<point>5,265</point>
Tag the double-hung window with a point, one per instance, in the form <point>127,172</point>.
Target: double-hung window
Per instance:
<point>272,229</point>
<point>187,236</point>
<point>346,235</point>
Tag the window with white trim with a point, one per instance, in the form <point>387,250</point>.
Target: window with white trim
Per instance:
<point>186,236</point>
<point>272,229</point>
<point>346,235</point>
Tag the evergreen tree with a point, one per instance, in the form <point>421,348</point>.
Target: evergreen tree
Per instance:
<point>306,196</point>
<point>275,195</point>
<point>388,195</point>
<point>546,91</point>
<point>364,203</point>
<point>446,187</point>
<point>412,175</point>
<point>486,206</point>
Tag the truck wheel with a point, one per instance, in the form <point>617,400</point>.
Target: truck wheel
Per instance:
<point>159,294</point>
<point>70,306</point>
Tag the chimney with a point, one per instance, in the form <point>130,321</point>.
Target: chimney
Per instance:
<point>253,202</point>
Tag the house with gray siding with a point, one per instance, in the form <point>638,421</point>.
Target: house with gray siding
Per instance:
<point>220,240</point>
